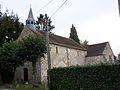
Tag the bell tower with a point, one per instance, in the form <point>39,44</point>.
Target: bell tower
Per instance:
<point>30,22</point>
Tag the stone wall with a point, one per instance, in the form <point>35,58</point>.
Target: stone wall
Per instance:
<point>107,56</point>
<point>62,57</point>
<point>95,59</point>
<point>26,32</point>
<point>66,56</point>
<point>108,53</point>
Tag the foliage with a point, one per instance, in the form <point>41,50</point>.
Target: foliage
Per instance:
<point>10,28</point>
<point>29,87</point>
<point>73,34</point>
<point>84,44</point>
<point>96,77</point>
<point>30,49</point>
<point>42,21</point>
<point>14,54</point>
<point>8,61</point>
<point>7,54</point>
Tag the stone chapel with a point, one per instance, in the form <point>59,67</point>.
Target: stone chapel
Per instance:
<point>64,52</point>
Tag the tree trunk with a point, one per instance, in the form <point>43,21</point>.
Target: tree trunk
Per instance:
<point>33,74</point>
<point>0,79</point>
<point>40,70</point>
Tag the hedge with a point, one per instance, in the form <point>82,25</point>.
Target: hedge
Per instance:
<point>97,77</point>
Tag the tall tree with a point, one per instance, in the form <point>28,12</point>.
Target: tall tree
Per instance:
<point>73,34</point>
<point>10,28</point>
<point>8,61</point>
<point>30,50</point>
<point>41,22</point>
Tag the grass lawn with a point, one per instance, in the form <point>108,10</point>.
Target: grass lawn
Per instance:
<point>28,87</point>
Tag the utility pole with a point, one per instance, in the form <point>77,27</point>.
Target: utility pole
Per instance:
<point>0,11</point>
<point>119,6</point>
<point>48,47</point>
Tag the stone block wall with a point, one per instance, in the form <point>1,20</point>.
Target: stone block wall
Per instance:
<point>108,53</point>
<point>95,60</point>
<point>62,57</point>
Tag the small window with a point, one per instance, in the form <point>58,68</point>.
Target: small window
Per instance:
<point>28,22</point>
<point>78,53</point>
<point>31,22</point>
<point>56,49</point>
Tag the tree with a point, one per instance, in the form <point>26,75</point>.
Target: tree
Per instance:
<point>119,56</point>
<point>8,61</point>
<point>73,34</point>
<point>85,44</point>
<point>41,22</point>
<point>10,28</point>
<point>30,50</point>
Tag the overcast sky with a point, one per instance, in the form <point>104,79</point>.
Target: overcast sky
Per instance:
<point>95,20</point>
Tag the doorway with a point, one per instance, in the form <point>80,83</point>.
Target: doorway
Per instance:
<point>25,74</point>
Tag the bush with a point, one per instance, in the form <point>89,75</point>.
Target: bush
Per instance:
<point>103,77</point>
<point>29,87</point>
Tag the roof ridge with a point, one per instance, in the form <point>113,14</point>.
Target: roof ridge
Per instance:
<point>99,43</point>
<point>61,40</point>
<point>68,39</point>
<point>96,49</point>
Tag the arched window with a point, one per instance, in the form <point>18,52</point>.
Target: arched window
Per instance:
<point>31,22</point>
<point>57,50</point>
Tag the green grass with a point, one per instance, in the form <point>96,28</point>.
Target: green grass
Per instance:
<point>28,87</point>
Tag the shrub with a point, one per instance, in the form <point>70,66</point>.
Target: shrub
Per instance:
<point>94,77</point>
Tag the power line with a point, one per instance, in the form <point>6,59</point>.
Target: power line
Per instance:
<point>58,8</point>
<point>44,6</point>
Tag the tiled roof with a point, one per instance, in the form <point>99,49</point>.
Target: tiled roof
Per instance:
<point>96,49</point>
<point>59,40</point>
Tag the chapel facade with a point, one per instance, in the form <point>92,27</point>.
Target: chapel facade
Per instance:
<point>64,52</point>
